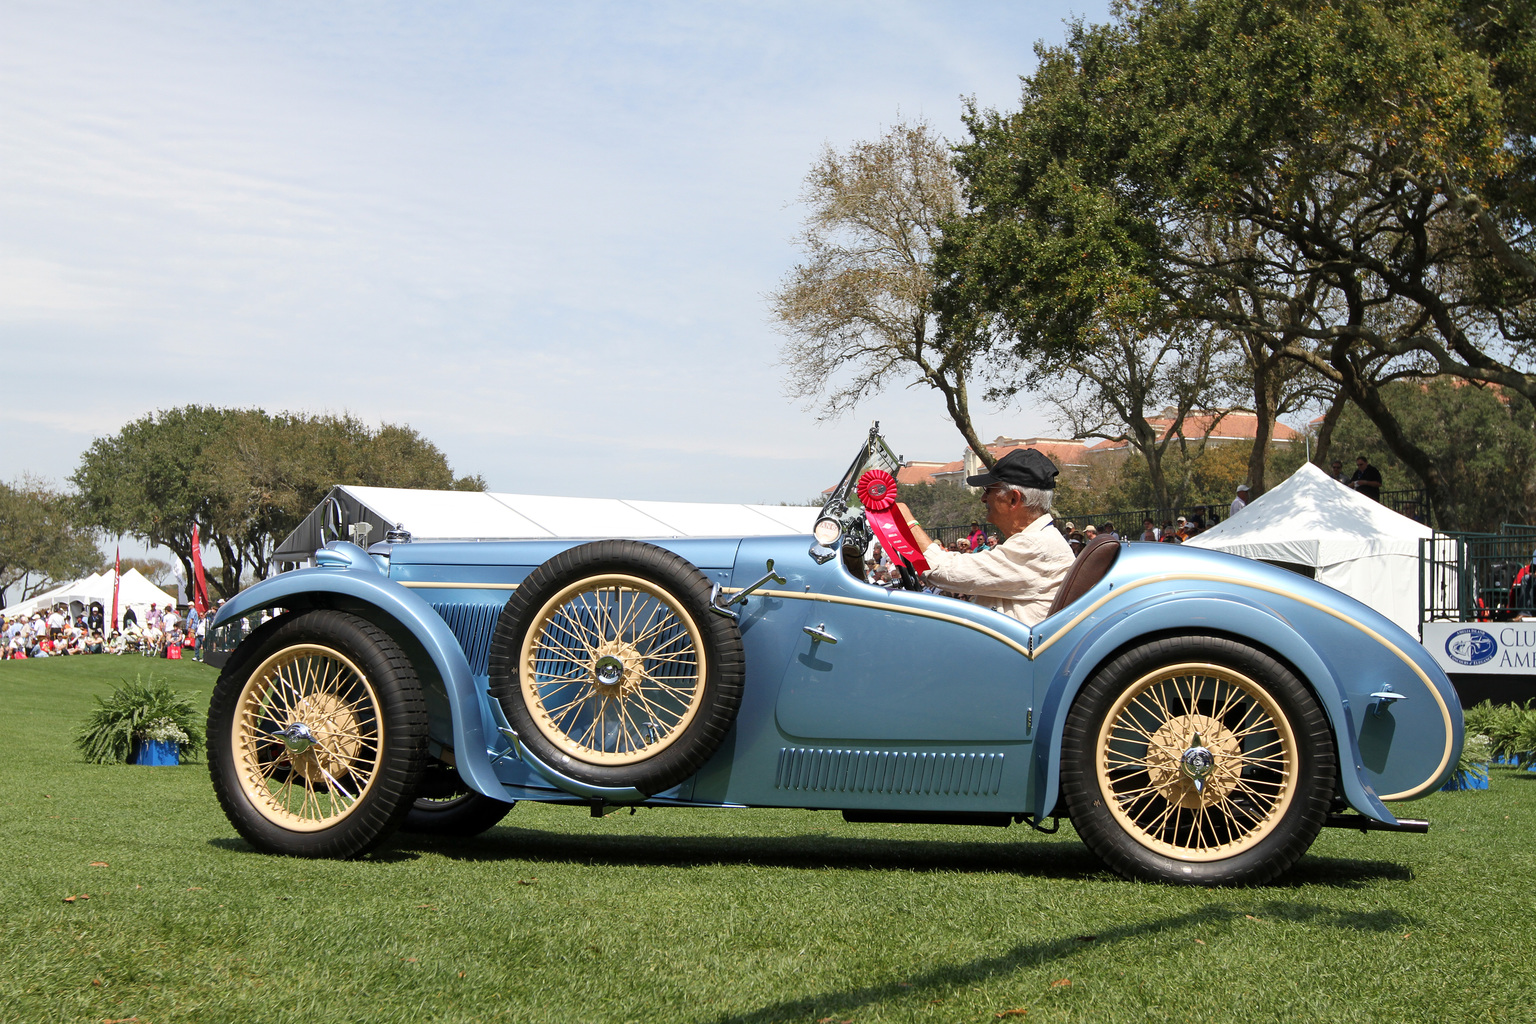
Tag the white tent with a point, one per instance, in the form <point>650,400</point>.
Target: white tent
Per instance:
<point>1353,544</point>
<point>134,591</point>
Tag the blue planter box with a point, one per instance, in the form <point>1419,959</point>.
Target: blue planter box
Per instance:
<point>156,752</point>
<point>1465,780</point>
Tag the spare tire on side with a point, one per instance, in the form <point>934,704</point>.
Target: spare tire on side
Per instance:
<point>611,668</point>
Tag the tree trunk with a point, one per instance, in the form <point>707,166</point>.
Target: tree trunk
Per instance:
<point>1267,384</point>
<point>960,413</point>
<point>1325,431</point>
<point>1368,397</point>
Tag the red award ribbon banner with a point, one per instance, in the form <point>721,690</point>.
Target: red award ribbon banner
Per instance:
<point>877,492</point>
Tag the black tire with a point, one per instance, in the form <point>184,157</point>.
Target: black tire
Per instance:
<point>1163,716</point>
<point>338,786</point>
<point>575,667</point>
<point>445,806</point>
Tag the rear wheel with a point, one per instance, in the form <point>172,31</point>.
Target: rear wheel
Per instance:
<point>1200,760</point>
<point>317,735</point>
<point>446,806</point>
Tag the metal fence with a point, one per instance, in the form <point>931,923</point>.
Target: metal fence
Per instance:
<point>1408,502</point>
<point>1478,577</point>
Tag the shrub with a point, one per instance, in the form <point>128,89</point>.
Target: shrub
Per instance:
<point>1502,724</point>
<point>1476,752</point>
<point>145,709</point>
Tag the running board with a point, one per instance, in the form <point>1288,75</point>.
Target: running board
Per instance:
<point>1364,824</point>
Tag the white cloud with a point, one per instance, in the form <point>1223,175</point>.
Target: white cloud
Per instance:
<point>533,232</point>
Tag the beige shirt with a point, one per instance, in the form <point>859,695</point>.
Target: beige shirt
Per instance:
<point>1019,577</point>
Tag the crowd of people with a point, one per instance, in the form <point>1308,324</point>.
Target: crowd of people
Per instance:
<point>165,633</point>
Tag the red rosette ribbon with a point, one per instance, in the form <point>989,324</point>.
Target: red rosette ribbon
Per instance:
<point>877,493</point>
<point>877,490</point>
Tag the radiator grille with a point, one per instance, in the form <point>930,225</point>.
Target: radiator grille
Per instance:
<point>472,626</point>
<point>819,769</point>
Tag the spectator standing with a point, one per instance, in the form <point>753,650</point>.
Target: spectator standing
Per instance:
<point>1240,502</point>
<point>1367,479</point>
<point>1338,472</point>
<point>1107,529</point>
<point>1149,531</point>
<point>977,537</point>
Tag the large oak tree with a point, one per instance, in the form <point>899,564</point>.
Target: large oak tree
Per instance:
<point>1365,166</point>
<point>245,477</point>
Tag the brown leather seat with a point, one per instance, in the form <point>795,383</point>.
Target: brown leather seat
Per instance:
<point>1091,566</point>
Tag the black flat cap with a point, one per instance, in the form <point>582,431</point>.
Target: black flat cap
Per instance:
<point>1024,467</point>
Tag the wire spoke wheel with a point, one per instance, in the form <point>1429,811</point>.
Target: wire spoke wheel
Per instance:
<point>1198,761</point>
<point>317,735</point>
<point>613,669</point>
<point>307,737</point>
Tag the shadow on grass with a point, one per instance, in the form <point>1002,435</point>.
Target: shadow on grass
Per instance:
<point>1034,859</point>
<point>389,855</point>
<point>940,982</point>
<point>1055,860</point>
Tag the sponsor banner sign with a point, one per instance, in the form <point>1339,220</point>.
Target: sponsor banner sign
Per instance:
<point>1490,648</point>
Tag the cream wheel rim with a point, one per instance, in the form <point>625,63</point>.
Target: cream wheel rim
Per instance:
<point>613,670</point>
<point>1197,762</point>
<point>307,737</point>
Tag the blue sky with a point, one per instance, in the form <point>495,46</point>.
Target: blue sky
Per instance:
<point>541,234</point>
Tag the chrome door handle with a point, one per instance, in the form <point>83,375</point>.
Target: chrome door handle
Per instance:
<point>819,634</point>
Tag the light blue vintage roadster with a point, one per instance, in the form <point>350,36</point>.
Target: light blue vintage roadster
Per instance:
<point>1198,717</point>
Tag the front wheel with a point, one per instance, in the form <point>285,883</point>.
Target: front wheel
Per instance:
<point>317,734</point>
<point>1197,760</point>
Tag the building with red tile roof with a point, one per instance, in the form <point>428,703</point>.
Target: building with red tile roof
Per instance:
<point>1076,456</point>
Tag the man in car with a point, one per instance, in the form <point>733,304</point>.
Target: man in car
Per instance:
<point>1021,576</point>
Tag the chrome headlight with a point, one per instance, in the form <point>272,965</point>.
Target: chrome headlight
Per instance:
<point>827,531</point>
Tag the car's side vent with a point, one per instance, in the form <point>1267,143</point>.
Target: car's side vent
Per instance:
<point>888,771</point>
<point>472,625</point>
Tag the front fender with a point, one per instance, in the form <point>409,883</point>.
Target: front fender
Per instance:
<point>400,612</point>
<point>1216,613</point>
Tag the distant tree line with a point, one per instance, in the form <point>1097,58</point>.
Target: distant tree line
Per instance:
<point>1266,205</point>
<point>245,477</point>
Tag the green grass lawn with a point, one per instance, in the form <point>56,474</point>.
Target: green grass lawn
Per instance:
<point>716,916</point>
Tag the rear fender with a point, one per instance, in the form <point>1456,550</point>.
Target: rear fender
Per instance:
<point>413,623</point>
<point>1171,614</point>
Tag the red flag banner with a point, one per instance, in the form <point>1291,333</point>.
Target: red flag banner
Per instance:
<point>199,582</point>
<point>117,567</point>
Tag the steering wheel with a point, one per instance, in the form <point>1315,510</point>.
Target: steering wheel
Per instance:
<point>909,580</point>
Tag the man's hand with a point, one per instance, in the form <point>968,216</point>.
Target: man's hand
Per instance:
<point>918,535</point>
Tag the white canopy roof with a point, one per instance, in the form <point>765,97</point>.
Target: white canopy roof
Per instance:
<point>1355,544</point>
<point>497,515</point>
